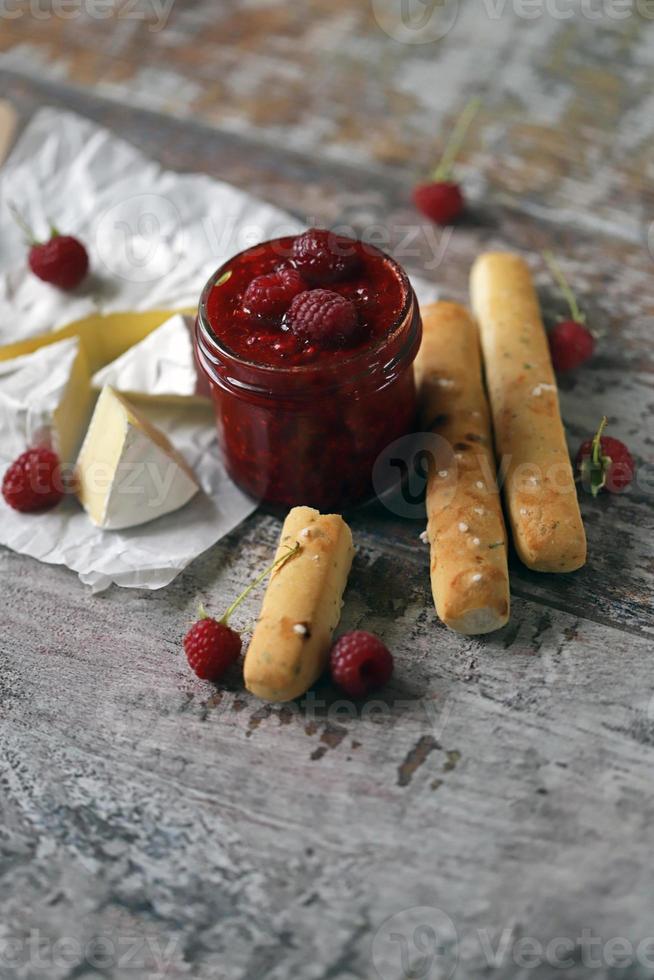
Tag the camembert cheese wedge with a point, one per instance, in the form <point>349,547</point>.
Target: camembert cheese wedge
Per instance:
<point>162,366</point>
<point>302,606</point>
<point>45,400</point>
<point>128,472</point>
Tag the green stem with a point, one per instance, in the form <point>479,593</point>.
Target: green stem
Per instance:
<point>596,450</point>
<point>564,286</point>
<point>596,467</point>
<point>23,225</point>
<point>444,169</point>
<point>278,562</point>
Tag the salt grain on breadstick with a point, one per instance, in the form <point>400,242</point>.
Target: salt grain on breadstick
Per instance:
<point>469,575</point>
<point>302,606</point>
<point>539,487</point>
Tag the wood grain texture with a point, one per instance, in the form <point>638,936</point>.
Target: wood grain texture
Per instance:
<point>566,129</point>
<point>170,828</point>
<point>138,801</point>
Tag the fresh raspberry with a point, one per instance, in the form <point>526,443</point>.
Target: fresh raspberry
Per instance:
<point>34,481</point>
<point>323,317</point>
<point>360,663</point>
<point>211,645</point>
<point>440,200</point>
<point>604,463</point>
<point>62,261</point>
<point>323,257</point>
<point>571,342</point>
<point>571,345</point>
<point>211,648</point>
<point>272,294</point>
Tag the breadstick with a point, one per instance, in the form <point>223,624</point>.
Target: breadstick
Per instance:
<point>469,574</point>
<point>301,607</point>
<point>539,488</point>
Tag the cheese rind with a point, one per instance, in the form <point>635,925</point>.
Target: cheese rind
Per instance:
<point>104,336</point>
<point>469,572</point>
<point>128,472</point>
<point>539,486</point>
<point>162,366</point>
<point>45,400</point>
<point>302,606</point>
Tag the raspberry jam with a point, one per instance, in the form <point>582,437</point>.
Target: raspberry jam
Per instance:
<point>299,422</point>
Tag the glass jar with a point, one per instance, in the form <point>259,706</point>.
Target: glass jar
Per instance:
<point>310,434</point>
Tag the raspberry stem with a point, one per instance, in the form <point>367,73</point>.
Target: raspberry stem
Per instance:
<point>597,441</point>
<point>598,465</point>
<point>23,225</point>
<point>444,169</point>
<point>564,286</point>
<point>276,564</point>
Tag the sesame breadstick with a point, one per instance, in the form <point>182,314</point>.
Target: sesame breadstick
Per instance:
<point>539,489</point>
<point>469,575</point>
<point>301,608</point>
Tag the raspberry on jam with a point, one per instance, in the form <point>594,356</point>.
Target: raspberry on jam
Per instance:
<point>273,293</point>
<point>323,257</point>
<point>323,317</point>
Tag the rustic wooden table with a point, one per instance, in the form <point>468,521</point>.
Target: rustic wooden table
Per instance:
<point>500,792</point>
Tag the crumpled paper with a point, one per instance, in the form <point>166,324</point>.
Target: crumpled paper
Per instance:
<point>154,238</point>
<point>31,388</point>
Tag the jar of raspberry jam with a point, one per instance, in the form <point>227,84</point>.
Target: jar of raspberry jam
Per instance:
<point>309,391</point>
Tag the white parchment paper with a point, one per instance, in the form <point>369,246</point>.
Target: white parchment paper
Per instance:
<point>154,238</point>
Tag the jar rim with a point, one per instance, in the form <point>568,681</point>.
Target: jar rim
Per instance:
<point>362,354</point>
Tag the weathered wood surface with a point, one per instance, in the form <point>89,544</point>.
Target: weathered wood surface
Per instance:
<point>164,826</point>
<point>566,130</point>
